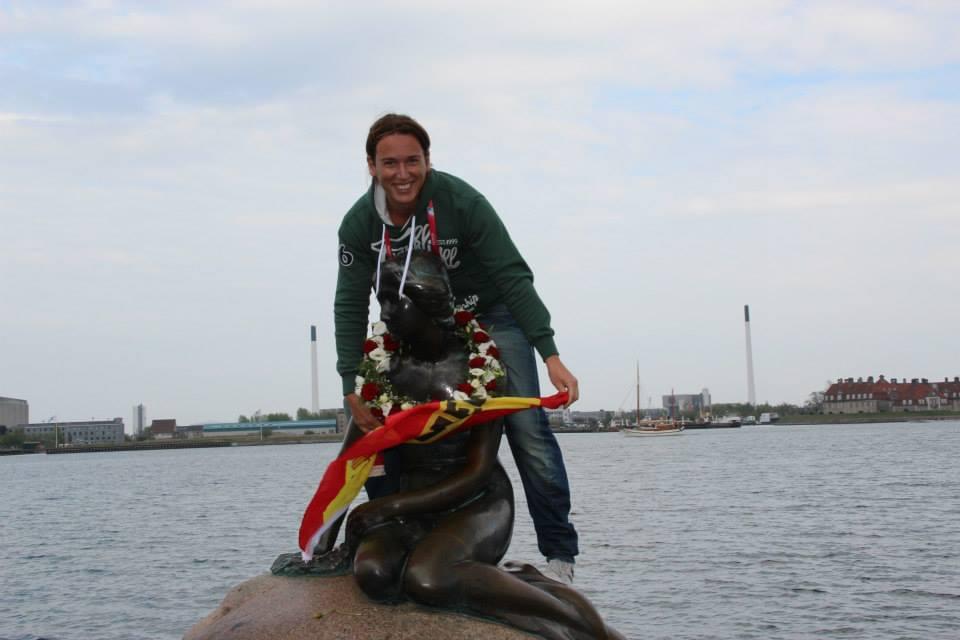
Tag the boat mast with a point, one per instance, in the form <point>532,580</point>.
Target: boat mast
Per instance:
<point>638,392</point>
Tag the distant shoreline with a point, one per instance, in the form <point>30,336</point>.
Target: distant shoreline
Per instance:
<point>160,445</point>
<point>812,419</point>
<point>864,418</point>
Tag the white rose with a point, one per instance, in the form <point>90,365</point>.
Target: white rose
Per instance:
<point>460,395</point>
<point>383,365</point>
<point>359,384</point>
<point>378,354</point>
<point>488,376</point>
<point>386,407</point>
<point>475,383</point>
<point>482,347</point>
<point>379,328</point>
<point>480,393</point>
<point>477,373</point>
<point>410,405</point>
<point>383,399</point>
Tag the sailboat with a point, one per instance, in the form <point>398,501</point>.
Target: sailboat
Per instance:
<point>647,428</point>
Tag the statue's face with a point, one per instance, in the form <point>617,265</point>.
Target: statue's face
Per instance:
<point>426,293</point>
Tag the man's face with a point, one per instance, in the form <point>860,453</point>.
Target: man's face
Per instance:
<point>401,168</point>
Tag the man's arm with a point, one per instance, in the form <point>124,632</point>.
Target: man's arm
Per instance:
<point>351,304</point>
<point>501,259</point>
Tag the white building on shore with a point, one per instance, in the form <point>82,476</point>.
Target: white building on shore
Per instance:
<point>685,403</point>
<point>87,432</point>
<point>13,412</point>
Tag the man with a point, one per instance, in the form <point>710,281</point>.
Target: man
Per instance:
<point>488,276</point>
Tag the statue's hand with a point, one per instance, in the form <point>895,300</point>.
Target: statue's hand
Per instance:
<point>335,562</point>
<point>364,518</point>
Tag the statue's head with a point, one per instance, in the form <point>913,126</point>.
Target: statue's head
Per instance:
<point>427,294</point>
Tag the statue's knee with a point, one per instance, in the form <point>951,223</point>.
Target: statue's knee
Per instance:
<point>427,584</point>
<point>379,580</point>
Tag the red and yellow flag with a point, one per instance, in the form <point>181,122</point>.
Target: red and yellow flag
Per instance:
<point>422,424</point>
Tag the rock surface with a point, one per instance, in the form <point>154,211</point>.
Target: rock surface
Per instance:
<point>280,608</point>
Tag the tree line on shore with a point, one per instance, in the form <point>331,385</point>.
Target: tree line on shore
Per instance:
<point>15,439</point>
<point>279,416</point>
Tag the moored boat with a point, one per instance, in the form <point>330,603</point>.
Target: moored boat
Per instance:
<point>661,428</point>
<point>728,422</point>
<point>713,424</point>
<point>669,427</point>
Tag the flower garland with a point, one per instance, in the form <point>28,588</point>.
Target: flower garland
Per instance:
<point>383,399</point>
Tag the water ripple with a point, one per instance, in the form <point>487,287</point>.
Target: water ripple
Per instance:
<point>772,533</point>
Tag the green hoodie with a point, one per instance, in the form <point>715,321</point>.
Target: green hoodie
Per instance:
<point>484,265</point>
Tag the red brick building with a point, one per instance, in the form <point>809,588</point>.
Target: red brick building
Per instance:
<point>873,396</point>
<point>163,429</point>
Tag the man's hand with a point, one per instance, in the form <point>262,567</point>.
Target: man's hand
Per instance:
<point>562,379</point>
<point>362,417</point>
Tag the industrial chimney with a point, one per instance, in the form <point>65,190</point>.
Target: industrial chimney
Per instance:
<point>751,390</point>
<point>314,384</point>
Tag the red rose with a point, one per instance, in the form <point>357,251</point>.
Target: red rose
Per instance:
<point>395,409</point>
<point>389,343</point>
<point>480,337</point>
<point>465,387</point>
<point>369,346</point>
<point>493,352</point>
<point>462,317</point>
<point>369,391</point>
<point>478,363</point>
<point>377,413</point>
<point>492,385</point>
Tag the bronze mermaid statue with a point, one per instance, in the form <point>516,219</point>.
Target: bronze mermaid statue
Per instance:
<point>438,540</point>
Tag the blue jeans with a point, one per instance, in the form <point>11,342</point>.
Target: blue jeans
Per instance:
<point>533,444</point>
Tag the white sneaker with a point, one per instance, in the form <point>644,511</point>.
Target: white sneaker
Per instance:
<point>559,570</point>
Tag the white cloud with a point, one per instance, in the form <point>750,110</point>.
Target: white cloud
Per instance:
<point>173,177</point>
<point>921,200</point>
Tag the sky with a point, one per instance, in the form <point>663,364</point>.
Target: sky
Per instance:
<point>172,176</point>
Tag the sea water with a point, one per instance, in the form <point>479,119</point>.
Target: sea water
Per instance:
<point>848,531</point>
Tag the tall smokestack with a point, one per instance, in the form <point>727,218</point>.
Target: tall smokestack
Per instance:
<point>751,390</point>
<point>314,384</point>
<point>139,419</point>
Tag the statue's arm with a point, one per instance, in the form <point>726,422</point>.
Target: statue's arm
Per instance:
<point>481,456</point>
